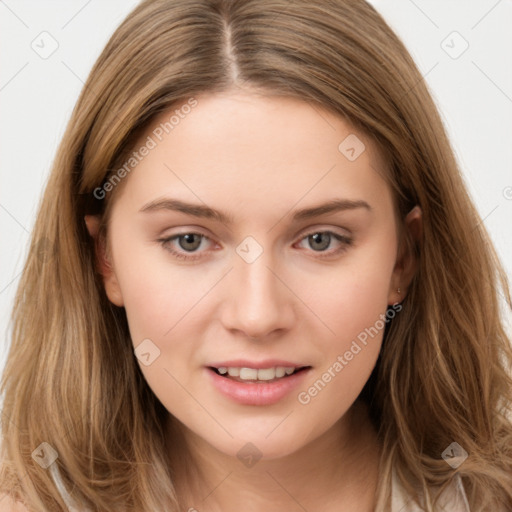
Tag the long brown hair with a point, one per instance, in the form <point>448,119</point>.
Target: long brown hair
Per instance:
<point>71,378</point>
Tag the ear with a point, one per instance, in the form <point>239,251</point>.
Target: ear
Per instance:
<point>103,261</point>
<point>406,262</point>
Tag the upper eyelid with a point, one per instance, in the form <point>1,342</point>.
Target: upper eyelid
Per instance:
<point>304,231</point>
<point>332,231</point>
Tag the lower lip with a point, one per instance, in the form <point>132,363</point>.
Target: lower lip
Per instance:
<point>257,393</point>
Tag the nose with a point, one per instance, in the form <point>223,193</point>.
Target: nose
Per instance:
<point>258,302</point>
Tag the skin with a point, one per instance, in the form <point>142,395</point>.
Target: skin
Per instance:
<point>259,158</point>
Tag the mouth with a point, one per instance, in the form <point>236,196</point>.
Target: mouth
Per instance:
<point>257,375</point>
<point>258,383</point>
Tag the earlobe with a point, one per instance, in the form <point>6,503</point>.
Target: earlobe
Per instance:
<point>103,263</point>
<point>406,264</point>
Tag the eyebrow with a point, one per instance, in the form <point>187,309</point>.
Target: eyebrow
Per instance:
<point>198,210</point>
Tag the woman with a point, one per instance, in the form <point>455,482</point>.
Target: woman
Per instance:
<point>266,285</point>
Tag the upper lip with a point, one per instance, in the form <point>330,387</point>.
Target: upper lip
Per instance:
<point>267,363</point>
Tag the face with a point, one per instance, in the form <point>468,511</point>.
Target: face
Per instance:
<point>253,240</point>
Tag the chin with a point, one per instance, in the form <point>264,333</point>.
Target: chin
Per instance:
<point>261,445</point>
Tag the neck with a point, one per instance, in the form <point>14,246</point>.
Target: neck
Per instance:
<point>337,471</point>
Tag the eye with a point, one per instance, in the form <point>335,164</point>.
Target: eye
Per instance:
<point>320,241</point>
<point>185,246</point>
<point>186,243</point>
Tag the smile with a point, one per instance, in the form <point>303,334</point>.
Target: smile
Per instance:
<point>256,374</point>
<point>257,386</point>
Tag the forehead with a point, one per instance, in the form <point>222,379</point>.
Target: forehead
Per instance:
<point>250,151</point>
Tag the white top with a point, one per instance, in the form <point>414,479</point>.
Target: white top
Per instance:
<point>453,499</point>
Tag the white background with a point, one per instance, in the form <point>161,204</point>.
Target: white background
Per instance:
<point>473,93</point>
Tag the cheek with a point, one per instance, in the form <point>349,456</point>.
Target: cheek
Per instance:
<point>352,297</point>
<point>351,302</point>
<point>157,295</point>
<point>161,304</point>
<point>348,358</point>
<point>353,305</point>
<point>151,304</point>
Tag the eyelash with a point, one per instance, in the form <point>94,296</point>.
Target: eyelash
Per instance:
<point>346,242</point>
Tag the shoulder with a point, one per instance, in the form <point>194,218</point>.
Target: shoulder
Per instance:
<point>8,505</point>
<point>453,498</point>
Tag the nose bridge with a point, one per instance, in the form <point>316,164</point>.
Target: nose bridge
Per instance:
<point>258,302</point>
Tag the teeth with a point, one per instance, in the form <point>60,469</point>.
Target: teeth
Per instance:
<point>257,374</point>
<point>248,374</point>
<point>280,372</point>
<point>266,373</point>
